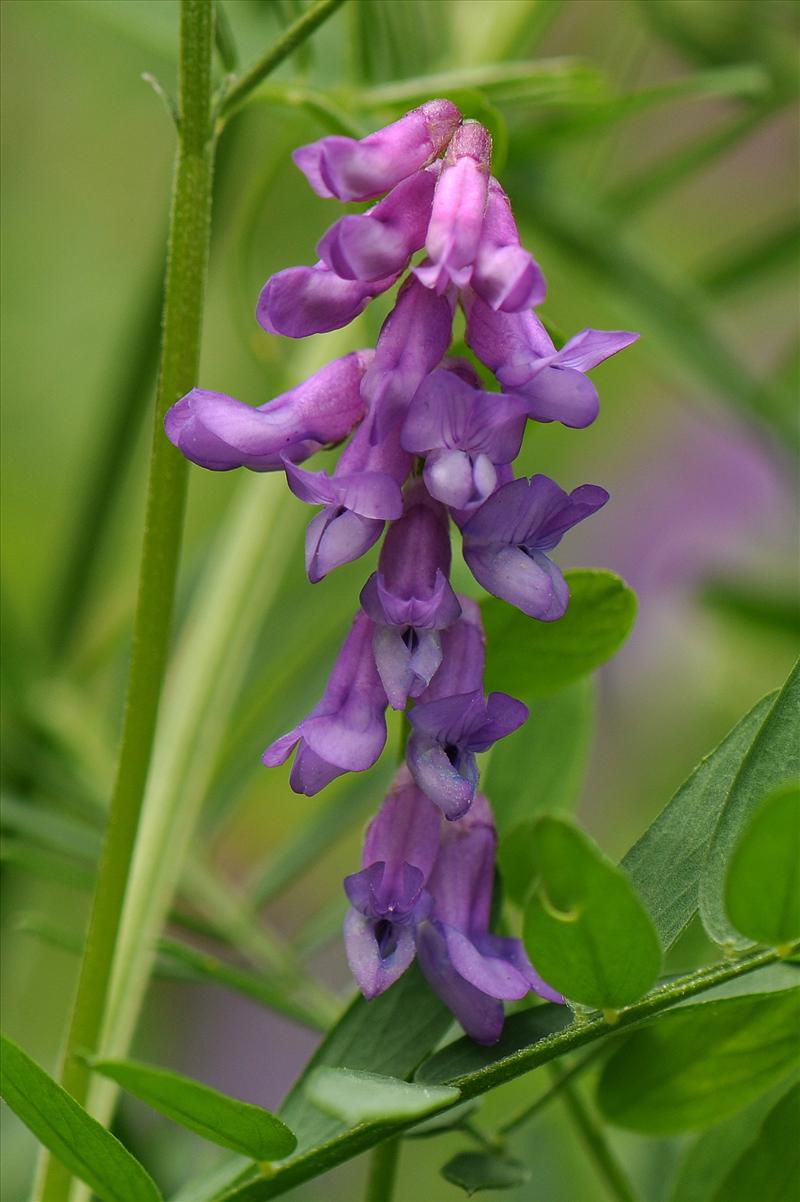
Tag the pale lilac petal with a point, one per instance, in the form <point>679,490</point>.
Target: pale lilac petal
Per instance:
<point>446,413</point>
<point>530,514</point>
<point>481,1016</point>
<point>462,368</point>
<point>509,344</point>
<point>508,278</point>
<point>462,880</point>
<point>374,972</point>
<point>590,347</point>
<point>336,537</point>
<point>405,830</point>
<point>412,342</point>
<point>311,773</point>
<point>504,715</point>
<point>451,786</point>
<point>220,433</point>
<point>463,655</point>
<point>454,231</point>
<point>581,503</point>
<point>513,951</point>
<point>505,275</point>
<point>561,394</point>
<point>279,751</point>
<point>449,477</point>
<point>415,558</point>
<point>300,301</point>
<point>352,738</point>
<point>494,975</point>
<point>346,730</point>
<point>370,494</point>
<point>450,719</point>
<point>518,349</point>
<point>377,244</point>
<point>358,170</point>
<point>393,660</point>
<point>532,582</point>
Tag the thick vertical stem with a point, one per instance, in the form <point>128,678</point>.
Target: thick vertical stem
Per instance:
<point>182,323</point>
<point>382,1171</point>
<point>606,1163</point>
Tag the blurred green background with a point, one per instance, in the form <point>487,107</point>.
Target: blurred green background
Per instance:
<point>651,163</point>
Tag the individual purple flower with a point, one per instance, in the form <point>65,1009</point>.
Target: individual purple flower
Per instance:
<point>410,599</point>
<point>364,492</point>
<point>506,539</point>
<point>505,275</point>
<point>388,897</point>
<point>464,433</point>
<point>520,352</point>
<point>453,720</point>
<point>472,970</point>
<point>220,433</point>
<point>446,736</point>
<point>459,204</point>
<point>380,242</point>
<point>359,170</point>
<point>300,301</point>
<point>346,730</point>
<point>412,342</point>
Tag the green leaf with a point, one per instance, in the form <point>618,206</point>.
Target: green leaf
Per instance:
<point>666,863</point>
<point>531,1038</point>
<point>463,1057</point>
<point>541,766</point>
<point>452,1120</point>
<point>762,888</point>
<point>389,1036</point>
<point>222,1120</point>
<point>745,80</point>
<point>772,759</point>
<point>533,659</point>
<point>585,929</point>
<point>359,1097</point>
<point>64,1127</point>
<point>708,1159</point>
<point>474,1171</point>
<point>549,81</point>
<point>697,1065</point>
<point>190,964</point>
<point>770,1168</point>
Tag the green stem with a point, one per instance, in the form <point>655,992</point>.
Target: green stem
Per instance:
<point>180,350</point>
<point>294,36</point>
<point>524,1116</point>
<point>311,1162</point>
<point>597,1146</point>
<point>382,1172</point>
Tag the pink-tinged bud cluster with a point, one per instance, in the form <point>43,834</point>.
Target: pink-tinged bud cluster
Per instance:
<point>428,442</point>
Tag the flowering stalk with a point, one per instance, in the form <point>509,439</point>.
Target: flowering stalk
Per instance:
<point>166,494</point>
<point>427,442</point>
<point>187,258</point>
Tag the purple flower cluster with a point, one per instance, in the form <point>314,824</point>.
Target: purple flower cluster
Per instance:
<point>427,443</point>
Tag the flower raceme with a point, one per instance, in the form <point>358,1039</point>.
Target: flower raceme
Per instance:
<point>425,890</point>
<point>428,440</point>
